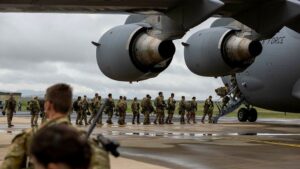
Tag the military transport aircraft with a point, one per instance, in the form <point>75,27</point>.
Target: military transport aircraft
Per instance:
<point>255,41</point>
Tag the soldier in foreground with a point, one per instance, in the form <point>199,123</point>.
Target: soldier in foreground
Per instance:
<point>58,103</point>
<point>34,111</point>
<point>68,148</point>
<point>171,108</point>
<point>135,107</point>
<point>208,109</point>
<point>10,109</point>
<point>182,109</point>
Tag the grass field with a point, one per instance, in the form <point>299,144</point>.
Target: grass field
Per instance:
<point>262,113</point>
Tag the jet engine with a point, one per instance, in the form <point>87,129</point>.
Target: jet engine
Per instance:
<point>128,53</point>
<point>219,52</point>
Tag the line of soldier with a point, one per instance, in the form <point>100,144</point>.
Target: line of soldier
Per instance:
<point>83,107</point>
<point>187,109</point>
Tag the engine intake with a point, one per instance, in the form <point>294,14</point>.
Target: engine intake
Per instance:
<point>128,53</point>
<point>219,52</point>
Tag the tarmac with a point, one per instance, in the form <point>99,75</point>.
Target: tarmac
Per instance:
<point>266,144</point>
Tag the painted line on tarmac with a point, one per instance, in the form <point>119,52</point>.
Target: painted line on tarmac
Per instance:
<point>275,143</point>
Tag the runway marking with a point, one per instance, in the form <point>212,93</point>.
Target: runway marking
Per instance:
<point>276,143</point>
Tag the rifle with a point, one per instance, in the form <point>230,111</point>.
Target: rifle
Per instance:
<point>109,145</point>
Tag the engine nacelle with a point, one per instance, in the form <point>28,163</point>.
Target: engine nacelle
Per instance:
<point>219,52</point>
<point>128,53</point>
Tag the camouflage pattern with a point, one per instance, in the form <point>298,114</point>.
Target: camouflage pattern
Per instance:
<point>135,107</point>
<point>208,110</point>
<point>192,111</point>
<point>84,109</point>
<point>18,156</point>
<point>160,107</point>
<point>35,109</point>
<point>147,109</point>
<point>182,109</point>
<point>122,106</point>
<point>10,109</point>
<point>110,110</point>
<point>95,106</point>
<point>171,108</point>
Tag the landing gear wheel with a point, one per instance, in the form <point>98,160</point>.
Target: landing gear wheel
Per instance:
<point>243,115</point>
<point>252,116</point>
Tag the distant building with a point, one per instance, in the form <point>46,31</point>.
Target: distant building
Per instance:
<point>5,95</point>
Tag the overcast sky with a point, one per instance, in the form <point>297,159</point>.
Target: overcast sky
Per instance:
<point>38,50</point>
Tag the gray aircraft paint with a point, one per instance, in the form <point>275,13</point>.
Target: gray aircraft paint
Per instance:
<point>273,80</point>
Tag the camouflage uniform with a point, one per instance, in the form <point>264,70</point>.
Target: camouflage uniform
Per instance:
<point>192,111</point>
<point>34,110</point>
<point>160,106</point>
<point>84,109</point>
<point>182,105</point>
<point>18,155</point>
<point>77,109</point>
<point>10,109</point>
<point>122,111</point>
<point>43,114</point>
<point>110,110</point>
<point>95,106</point>
<point>208,110</point>
<point>171,109</point>
<point>135,107</point>
<point>147,109</point>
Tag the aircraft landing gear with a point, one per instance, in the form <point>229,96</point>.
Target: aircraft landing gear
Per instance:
<point>248,113</point>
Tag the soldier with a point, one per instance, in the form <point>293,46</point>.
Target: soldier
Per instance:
<point>122,111</point>
<point>34,110</point>
<point>95,106</point>
<point>182,105</point>
<point>117,108</point>
<point>208,109</point>
<point>77,109</point>
<point>171,109</point>
<point>160,106</point>
<point>192,111</point>
<point>223,92</point>
<point>135,107</point>
<point>84,109</point>
<point>10,109</point>
<point>147,109</point>
<point>43,115</point>
<point>110,108</point>
<point>58,103</point>
<point>68,148</point>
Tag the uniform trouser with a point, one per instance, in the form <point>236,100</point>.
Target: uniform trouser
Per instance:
<point>170,116</point>
<point>146,117</point>
<point>191,116</point>
<point>159,116</point>
<point>110,115</point>
<point>94,116</point>
<point>182,114</point>
<point>34,118</point>
<point>122,115</point>
<point>83,117</point>
<point>209,113</point>
<point>9,117</point>
<point>79,114</point>
<point>136,115</point>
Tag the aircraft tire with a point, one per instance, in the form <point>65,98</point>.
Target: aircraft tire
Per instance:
<point>252,116</point>
<point>243,114</point>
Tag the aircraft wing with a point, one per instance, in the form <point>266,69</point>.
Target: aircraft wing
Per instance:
<point>264,16</point>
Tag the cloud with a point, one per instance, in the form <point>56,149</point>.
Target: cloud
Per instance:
<point>38,50</point>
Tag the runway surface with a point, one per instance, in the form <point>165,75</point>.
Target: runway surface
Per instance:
<point>267,144</point>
